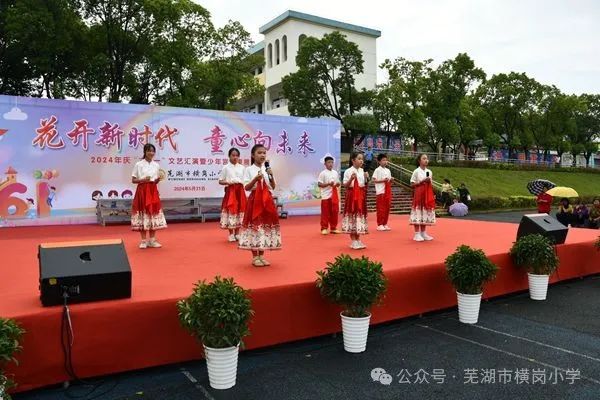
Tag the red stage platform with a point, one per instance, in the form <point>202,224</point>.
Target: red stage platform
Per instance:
<point>144,331</point>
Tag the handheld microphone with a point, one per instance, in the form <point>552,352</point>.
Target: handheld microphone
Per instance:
<point>427,174</point>
<point>267,164</point>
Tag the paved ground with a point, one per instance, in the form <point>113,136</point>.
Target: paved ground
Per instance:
<point>509,216</point>
<point>520,349</point>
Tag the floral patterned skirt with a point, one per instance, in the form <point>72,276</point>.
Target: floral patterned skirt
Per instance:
<point>146,210</point>
<point>233,207</point>
<point>260,233</point>
<point>354,220</point>
<point>423,207</point>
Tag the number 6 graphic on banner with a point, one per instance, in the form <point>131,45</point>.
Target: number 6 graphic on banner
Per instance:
<point>7,201</point>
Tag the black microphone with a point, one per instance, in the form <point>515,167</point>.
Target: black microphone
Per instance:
<point>427,174</point>
<point>267,165</point>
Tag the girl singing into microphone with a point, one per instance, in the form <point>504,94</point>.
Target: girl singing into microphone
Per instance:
<point>260,227</point>
<point>146,210</point>
<point>234,201</point>
<point>354,220</point>
<point>422,212</point>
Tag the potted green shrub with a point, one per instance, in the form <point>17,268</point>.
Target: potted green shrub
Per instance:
<point>469,269</point>
<point>10,335</point>
<point>536,254</point>
<point>218,314</point>
<point>356,284</point>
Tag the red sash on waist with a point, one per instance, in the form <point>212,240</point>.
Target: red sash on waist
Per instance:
<point>357,198</point>
<point>236,197</point>
<point>335,198</point>
<point>264,205</point>
<point>429,196</point>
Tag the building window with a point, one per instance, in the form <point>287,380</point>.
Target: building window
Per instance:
<point>277,52</point>
<point>300,40</point>
<point>284,45</point>
<point>270,55</point>
<point>258,71</point>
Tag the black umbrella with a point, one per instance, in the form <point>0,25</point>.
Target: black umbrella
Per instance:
<point>537,186</point>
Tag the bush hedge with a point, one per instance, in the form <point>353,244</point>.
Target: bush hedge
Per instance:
<point>410,163</point>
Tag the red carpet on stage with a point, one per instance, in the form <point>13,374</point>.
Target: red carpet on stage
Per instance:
<point>144,331</point>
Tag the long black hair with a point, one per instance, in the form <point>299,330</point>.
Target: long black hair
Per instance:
<point>353,156</point>
<point>148,147</point>
<point>254,148</point>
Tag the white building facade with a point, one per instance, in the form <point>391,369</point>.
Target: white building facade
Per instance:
<point>282,38</point>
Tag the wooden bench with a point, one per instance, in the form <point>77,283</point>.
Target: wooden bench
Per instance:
<point>118,211</point>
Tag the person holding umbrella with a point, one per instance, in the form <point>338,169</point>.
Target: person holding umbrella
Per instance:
<point>544,201</point>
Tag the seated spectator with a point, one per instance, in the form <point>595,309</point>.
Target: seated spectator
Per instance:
<point>544,202</point>
<point>594,221</point>
<point>464,194</point>
<point>458,209</point>
<point>447,191</point>
<point>565,212</point>
<point>581,214</point>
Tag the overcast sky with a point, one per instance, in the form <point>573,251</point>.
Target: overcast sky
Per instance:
<point>554,41</point>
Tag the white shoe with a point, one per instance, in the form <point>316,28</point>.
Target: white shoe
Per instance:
<point>387,228</point>
<point>232,238</point>
<point>237,237</point>
<point>154,244</point>
<point>361,245</point>
<point>418,237</point>
<point>354,245</point>
<point>425,236</point>
<point>381,228</point>
<point>143,244</point>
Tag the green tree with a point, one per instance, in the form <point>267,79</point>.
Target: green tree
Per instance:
<point>588,124</point>
<point>50,33</point>
<point>562,116</point>
<point>224,76</point>
<point>404,97</point>
<point>324,83</point>
<point>181,34</point>
<point>506,97</point>
<point>474,126</point>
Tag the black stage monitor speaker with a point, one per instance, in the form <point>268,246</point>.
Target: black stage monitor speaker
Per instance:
<point>543,224</point>
<point>85,271</point>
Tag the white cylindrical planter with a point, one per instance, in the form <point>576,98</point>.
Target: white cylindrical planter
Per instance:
<point>468,307</point>
<point>355,331</point>
<point>538,286</point>
<point>222,366</point>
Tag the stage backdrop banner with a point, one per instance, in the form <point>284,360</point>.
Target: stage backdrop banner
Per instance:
<point>57,157</point>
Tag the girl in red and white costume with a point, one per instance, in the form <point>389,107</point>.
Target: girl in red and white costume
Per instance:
<point>234,201</point>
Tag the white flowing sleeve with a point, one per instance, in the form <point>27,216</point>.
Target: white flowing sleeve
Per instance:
<point>415,176</point>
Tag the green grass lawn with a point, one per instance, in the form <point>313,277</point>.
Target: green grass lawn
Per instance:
<point>491,182</point>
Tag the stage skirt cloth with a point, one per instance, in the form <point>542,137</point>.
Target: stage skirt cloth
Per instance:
<point>423,205</point>
<point>233,206</point>
<point>354,220</point>
<point>260,226</point>
<point>146,211</point>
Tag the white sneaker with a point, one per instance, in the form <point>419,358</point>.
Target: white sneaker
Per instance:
<point>354,245</point>
<point>425,236</point>
<point>418,237</point>
<point>232,238</point>
<point>361,245</point>
<point>154,244</point>
<point>387,228</point>
<point>381,228</point>
<point>143,244</point>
